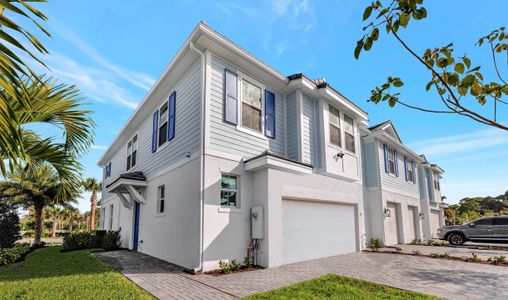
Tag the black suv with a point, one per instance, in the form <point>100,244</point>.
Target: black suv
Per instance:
<point>484,229</point>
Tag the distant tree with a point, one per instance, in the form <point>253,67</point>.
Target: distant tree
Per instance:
<point>94,186</point>
<point>38,188</point>
<point>457,82</point>
<point>72,214</point>
<point>9,224</point>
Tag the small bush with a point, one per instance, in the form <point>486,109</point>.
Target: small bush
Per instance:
<point>417,253</point>
<point>435,255</point>
<point>13,254</point>
<point>445,255</point>
<point>235,265</point>
<point>248,261</point>
<point>474,258</point>
<point>110,240</point>
<point>497,260</point>
<point>9,225</point>
<point>375,244</point>
<point>416,242</point>
<point>224,267</point>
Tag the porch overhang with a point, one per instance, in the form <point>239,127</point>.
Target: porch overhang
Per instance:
<point>127,187</point>
<point>269,160</point>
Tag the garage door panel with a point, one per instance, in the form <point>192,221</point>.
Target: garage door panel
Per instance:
<point>391,225</point>
<point>434,223</point>
<point>312,230</point>
<point>411,216</point>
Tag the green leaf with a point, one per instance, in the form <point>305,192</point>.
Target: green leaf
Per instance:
<point>442,62</point>
<point>398,83</point>
<point>358,49</point>
<point>429,85</point>
<point>367,12</point>
<point>463,90</point>
<point>468,80</point>
<point>453,79</point>
<point>479,75</point>
<point>404,19</point>
<point>374,34</point>
<point>368,44</point>
<point>481,99</point>
<point>475,69</point>
<point>459,68</point>
<point>467,61</point>
<point>476,89</point>
<point>392,101</point>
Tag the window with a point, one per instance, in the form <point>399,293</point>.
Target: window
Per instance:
<point>251,106</point>
<point>436,182</point>
<point>161,195</point>
<point>501,221</point>
<point>107,170</point>
<point>391,161</point>
<point>349,133</point>
<point>334,122</point>
<point>229,191</point>
<point>487,221</point>
<point>132,151</point>
<point>409,165</point>
<point>163,123</point>
<point>111,217</point>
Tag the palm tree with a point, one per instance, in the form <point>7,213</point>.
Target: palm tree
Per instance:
<point>72,215</point>
<point>55,214</point>
<point>94,186</point>
<point>38,188</point>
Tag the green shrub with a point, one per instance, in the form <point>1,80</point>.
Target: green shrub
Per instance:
<point>224,267</point>
<point>248,261</point>
<point>9,225</point>
<point>474,258</point>
<point>234,265</point>
<point>110,240</point>
<point>497,260</point>
<point>13,254</point>
<point>375,244</point>
<point>417,253</point>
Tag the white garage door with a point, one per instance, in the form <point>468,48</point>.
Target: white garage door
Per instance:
<point>313,230</point>
<point>392,225</point>
<point>434,223</point>
<point>411,217</point>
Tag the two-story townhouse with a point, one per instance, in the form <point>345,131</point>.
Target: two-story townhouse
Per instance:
<point>226,157</point>
<point>391,186</point>
<point>432,204</point>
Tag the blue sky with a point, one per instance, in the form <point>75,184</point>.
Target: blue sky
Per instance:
<point>114,51</point>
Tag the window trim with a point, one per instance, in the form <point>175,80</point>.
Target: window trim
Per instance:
<point>409,168</point>
<point>240,77</point>
<point>127,152</point>
<point>237,206</point>
<point>159,125</point>
<point>159,200</point>
<point>391,152</point>
<point>103,217</point>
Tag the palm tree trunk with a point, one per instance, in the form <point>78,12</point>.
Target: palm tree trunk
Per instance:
<point>38,222</point>
<point>53,228</point>
<point>92,210</point>
<point>71,221</point>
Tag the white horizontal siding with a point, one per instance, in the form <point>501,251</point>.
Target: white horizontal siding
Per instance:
<point>393,182</point>
<point>291,127</point>
<point>225,137</point>
<point>308,131</point>
<point>187,130</point>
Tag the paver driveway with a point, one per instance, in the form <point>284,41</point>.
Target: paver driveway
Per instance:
<point>449,279</point>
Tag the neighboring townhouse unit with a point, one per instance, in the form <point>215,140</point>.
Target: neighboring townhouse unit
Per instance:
<point>226,157</point>
<point>391,186</point>
<point>432,204</point>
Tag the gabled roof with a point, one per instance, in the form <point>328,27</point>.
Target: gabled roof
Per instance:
<point>387,125</point>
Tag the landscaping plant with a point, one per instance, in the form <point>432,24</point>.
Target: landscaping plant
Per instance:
<point>497,260</point>
<point>13,254</point>
<point>375,244</point>
<point>225,268</point>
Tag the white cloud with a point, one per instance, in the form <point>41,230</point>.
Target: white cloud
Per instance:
<point>139,79</point>
<point>462,143</point>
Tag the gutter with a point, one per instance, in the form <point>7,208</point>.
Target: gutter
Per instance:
<point>199,268</point>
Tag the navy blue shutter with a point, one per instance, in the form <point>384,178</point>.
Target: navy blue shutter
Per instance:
<point>154,130</point>
<point>269,114</point>
<point>396,161</point>
<point>230,97</point>
<point>108,170</point>
<point>385,152</point>
<point>414,169</point>
<point>405,166</point>
<point>171,114</point>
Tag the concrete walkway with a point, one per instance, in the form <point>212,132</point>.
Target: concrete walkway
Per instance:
<point>457,251</point>
<point>444,278</point>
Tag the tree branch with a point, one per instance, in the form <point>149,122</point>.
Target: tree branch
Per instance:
<point>425,109</point>
<point>495,64</point>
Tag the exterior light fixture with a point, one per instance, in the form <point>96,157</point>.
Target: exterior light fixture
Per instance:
<point>387,213</point>
<point>421,215</point>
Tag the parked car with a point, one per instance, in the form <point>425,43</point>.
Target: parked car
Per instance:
<point>484,229</point>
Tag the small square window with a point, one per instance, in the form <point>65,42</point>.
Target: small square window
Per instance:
<point>229,191</point>
<point>391,160</point>
<point>334,125</point>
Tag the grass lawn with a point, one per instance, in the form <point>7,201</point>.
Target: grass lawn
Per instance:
<point>339,287</point>
<point>49,274</point>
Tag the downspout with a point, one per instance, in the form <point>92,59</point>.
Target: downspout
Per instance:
<point>199,268</point>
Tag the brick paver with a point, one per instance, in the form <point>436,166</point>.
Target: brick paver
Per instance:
<point>449,279</point>
<point>457,251</point>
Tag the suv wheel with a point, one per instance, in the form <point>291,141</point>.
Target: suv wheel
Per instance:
<point>456,239</point>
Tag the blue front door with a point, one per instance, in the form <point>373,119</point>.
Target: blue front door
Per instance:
<point>136,227</point>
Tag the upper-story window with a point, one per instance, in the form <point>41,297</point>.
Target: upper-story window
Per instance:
<point>107,170</point>
<point>391,160</point>
<point>111,217</point>
<point>132,152</point>
<point>410,171</point>
<point>334,125</point>
<point>349,133</point>
<point>436,182</point>
<point>161,195</point>
<point>163,124</point>
<point>251,106</point>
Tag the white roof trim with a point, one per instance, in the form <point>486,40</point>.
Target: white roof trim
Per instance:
<point>271,162</point>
